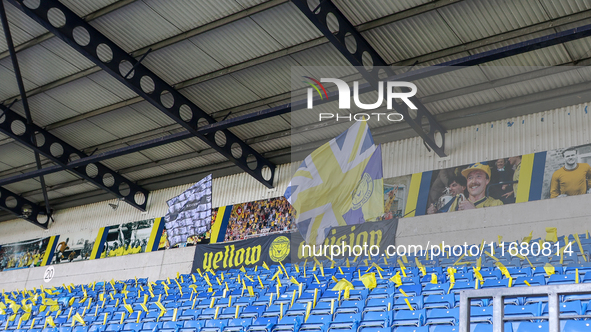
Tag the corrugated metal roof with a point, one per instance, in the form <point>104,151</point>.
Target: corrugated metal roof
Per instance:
<point>281,21</point>
<point>83,134</point>
<point>188,14</point>
<point>124,122</point>
<point>236,42</point>
<point>219,94</point>
<point>146,173</point>
<point>267,79</point>
<point>464,101</point>
<point>83,8</point>
<point>540,84</point>
<point>83,95</point>
<point>412,37</point>
<point>180,62</point>
<point>45,109</point>
<point>471,20</point>
<point>128,160</point>
<point>564,7</point>
<point>134,26</point>
<point>359,12</point>
<point>14,155</point>
<point>167,151</point>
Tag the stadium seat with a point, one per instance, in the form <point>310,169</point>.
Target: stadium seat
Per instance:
<point>489,328</point>
<point>416,302</point>
<point>412,329</point>
<point>408,317</point>
<point>439,301</point>
<point>289,324</point>
<point>533,327</point>
<point>317,323</point>
<point>531,310</point>
<point>263,324</point>
<point>566,308</point>
<point>577,326</point>
<point>238,324</point>
<point>443,316</point>
<point>376,319</point>
<point>345,322</point>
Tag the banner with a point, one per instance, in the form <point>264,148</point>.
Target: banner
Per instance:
<point>189,213</point>
<point>73,247</point>
<point>25,254</point>
<point>290,248</point>
<point>256,218</point>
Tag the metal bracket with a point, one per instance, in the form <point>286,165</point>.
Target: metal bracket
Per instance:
<point>360,49</point>
<point>80,35</point>
<point>15,126</point>
<point>22,208</point>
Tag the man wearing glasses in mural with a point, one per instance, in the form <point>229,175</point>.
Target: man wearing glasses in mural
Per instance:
<point>477,179</point>
<point>571,179</point>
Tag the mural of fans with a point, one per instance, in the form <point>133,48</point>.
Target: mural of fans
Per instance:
<point>23,254</point>
<point>260,218</point>
<point>127,239</point>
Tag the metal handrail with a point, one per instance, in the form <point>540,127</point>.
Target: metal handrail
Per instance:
<point>498,294</point>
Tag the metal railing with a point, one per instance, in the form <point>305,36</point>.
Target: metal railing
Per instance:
<point>498,295</point>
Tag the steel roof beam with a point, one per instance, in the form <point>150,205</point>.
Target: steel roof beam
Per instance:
<point>60,152</point>
<point>319,16</point>
<point>22,208</point>
<point>21,89</point>
<point>84,38</point>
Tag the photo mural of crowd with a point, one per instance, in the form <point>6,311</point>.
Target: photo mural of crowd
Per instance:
<point>259,218</point>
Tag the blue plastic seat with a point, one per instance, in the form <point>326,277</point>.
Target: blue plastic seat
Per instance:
<point>439,301</point>
<point>533,281</point>
<point>559,279</point>
<point>345,322</point>
<point>489,327</point>
<point>214,325</point>
<point>533,327</point>
<point>289,324</point>
<point>412,329</point>
<point>531,310</point>
<point>566,308</point>
<point>189,314</point>
<point>376,319</point>
<point>238,324</point>
<point>443,316</point>
<point>317,323</point>
<point>408,317</point>
<point>383,304</point>
<point>134,327</point>
<point>435,289</point>
<point>416,302</point>
<point>350,307</point>
<point>410,290</point>
<point>577,326</point>
<point>491,283</point>
<point>263,324</point>
<point>252,311</point>
<point>191,326</point>
<point>481,315</point>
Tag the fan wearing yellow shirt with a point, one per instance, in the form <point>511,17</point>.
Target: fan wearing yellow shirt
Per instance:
<point>572,179</point>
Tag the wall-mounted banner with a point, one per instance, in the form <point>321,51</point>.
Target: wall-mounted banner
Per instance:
<point>189,213</point>
<point>286,248</point>
<point>257,218</point>
<point>129,238</point>
<point>25,254</point>
<point>73,247</point>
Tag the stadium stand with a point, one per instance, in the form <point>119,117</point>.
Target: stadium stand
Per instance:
<point>377,298</point>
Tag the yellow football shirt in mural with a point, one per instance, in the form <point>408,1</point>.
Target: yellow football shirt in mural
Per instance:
<point>570,182</point>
